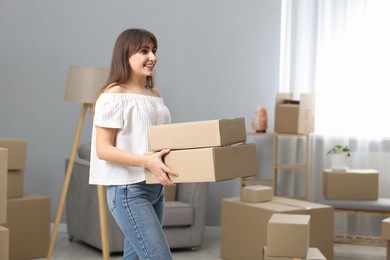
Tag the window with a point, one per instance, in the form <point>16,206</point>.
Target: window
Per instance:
<point>339,49</point>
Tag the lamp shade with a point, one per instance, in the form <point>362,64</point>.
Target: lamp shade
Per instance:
<point>84,83</point>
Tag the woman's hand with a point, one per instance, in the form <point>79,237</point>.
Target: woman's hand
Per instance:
<point>156,165</point>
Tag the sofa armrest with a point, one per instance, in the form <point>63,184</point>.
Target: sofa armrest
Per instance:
<point>81,162</point>
<point>82,210</point>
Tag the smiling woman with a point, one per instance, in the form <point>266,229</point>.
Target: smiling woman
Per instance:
<point>125,109</point>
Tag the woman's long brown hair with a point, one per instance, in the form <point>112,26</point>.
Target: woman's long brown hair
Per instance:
<point>128,42</point>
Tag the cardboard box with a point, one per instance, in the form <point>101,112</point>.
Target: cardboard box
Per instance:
<point>3,184</point>
<point>15,184</point>
<point>350,185</point>
<point>288,235</point>
<point>312,254</point>
<point>198,134</point>
<point>28,220</point>
<point>321,223</point>
<point>17,150</point>
<point>256,193</point>
<point>294,117</point>
<point>386,229</point>
<point>4,243</point>
<point>244,227</point>
<point>210,164</point>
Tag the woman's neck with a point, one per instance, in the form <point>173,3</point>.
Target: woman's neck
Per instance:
<point>136,87</point>
<point>135,82</point>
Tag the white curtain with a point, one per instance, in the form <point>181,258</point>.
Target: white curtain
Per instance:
<point>340,49</point>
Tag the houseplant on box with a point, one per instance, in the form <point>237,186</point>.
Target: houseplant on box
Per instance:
<point>339,155</point>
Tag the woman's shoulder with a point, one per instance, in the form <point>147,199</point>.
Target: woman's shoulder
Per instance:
<point>114,89</point>
<point>156,92</point>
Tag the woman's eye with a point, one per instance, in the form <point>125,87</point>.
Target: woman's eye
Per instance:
<point>144,51</point>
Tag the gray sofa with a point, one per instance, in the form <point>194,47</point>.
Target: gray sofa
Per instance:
<point>184,219</point>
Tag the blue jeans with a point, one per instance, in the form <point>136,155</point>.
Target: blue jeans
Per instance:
<point>138,210</point>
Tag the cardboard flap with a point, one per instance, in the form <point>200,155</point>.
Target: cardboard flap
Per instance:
<point>280,97</point>
<point>307,100</point>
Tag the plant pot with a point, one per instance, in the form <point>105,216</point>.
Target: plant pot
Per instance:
<point>339,162</point>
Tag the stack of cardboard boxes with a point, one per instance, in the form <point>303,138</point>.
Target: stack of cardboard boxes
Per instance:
<point>350,184</point>
<point>244,224</point>
<point>27,215</point>
<point>205,151</point>
<point>4,232</point>
<point>288,238</point>
<point>244,220</point>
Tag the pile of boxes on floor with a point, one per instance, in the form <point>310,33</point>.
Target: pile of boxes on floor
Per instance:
<point>204,151</point>
<point>259,225</point>
<point>24,217</point>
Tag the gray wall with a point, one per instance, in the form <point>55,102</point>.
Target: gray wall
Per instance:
<point>217,59</point>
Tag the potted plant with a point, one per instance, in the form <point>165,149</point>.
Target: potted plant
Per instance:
<point>339,155</point>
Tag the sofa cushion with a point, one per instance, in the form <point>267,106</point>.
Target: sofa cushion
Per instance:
<point>178,214</point>
<point>381,204</point>
<point>84,151</point>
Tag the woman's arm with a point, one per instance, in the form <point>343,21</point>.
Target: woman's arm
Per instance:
<point>106,150</point>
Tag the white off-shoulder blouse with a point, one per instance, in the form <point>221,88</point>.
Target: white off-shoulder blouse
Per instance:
<point>131,115</point>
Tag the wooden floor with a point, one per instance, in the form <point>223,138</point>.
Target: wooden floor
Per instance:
<point>65,250</point>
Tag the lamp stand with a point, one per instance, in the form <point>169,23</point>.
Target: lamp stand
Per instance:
<point>102,205</point>
<point>103,221</point>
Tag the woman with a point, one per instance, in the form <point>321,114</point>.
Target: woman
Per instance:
<point>123,112</point>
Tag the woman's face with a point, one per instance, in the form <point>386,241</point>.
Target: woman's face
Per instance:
<point>143,61</point>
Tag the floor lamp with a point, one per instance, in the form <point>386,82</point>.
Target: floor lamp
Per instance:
<point>82,85</point>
